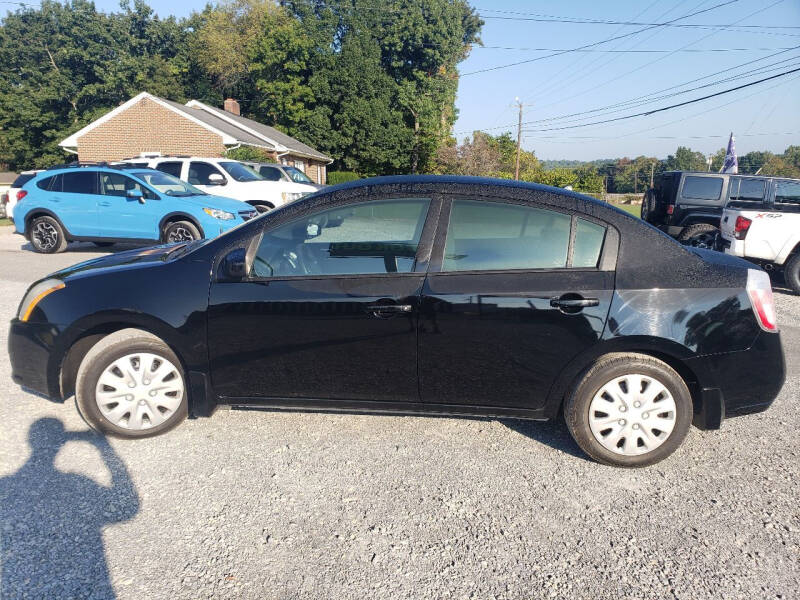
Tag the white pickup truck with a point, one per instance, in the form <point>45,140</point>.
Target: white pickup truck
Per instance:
<point>761,222</point>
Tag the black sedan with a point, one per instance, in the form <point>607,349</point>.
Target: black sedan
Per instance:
<point>436,295</point>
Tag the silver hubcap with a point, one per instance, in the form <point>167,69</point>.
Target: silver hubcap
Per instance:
<point>632,415</point>
<point>45,235</point>
<point>139,391</point>
<point>180,234</point>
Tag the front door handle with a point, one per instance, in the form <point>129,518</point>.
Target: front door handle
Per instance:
<point>104,203</point>
<point>385,311</point>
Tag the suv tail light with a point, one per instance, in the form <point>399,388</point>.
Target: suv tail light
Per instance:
<point>21,194</point>
<point>759,289</point>
<point>741,227</point>
<point>670,209</point>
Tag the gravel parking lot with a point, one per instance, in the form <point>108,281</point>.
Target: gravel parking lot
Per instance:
<point>259,504</point>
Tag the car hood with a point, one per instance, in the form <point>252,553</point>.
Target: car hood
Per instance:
<point>212,201</point>
<point>127,259</point>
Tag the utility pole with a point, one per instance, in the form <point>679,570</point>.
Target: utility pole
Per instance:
<point>635,181</point>
<point>652,169</point>
<point>519,139</point>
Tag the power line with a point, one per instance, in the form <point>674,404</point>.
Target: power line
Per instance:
<point>673,106</point>
<point>637,23</point>
<point>647,64</point>
<point>695,50</point>
<point>605,41</point>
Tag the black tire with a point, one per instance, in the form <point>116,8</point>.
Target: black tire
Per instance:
<point>605,370</point>
<point>180,231</point>
<point>47,236</point>
<point>791,273</point>
<point>103,354</point>
<point>648,204</point>
<point>261,207</point>
<point>699,235</point>
<point>103,244</point>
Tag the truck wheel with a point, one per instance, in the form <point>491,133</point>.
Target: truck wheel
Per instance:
<point>791,273</point>
<point>699,235</point>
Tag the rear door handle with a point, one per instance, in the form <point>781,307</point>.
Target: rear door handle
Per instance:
<point>573,303</point>
<point>387,311</point>
<point>104,203</point>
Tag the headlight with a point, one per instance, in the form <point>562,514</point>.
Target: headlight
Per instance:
<point>35,295</point>
<point>291,196</point>
<point>219,214</point>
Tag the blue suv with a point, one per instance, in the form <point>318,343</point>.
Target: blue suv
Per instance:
<point>107,204</point>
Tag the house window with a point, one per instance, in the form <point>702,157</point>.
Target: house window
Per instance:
<point>299,164</point>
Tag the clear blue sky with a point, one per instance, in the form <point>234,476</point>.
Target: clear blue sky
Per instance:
<point>582,81</point>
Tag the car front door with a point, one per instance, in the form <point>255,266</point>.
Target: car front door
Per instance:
<point>327,312</point>
<point>203,175</point>
<point>122,215</point>
<point>514,292</point>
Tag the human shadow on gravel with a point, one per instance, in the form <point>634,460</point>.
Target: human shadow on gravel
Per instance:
<point>552,433</point>
<point>52,521</point>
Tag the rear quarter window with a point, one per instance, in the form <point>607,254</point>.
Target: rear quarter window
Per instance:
<point>702,188</point>
<point>787,192</point>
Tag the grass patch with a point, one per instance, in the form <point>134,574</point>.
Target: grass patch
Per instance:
<point>5,222</point>
<point>633,209</point>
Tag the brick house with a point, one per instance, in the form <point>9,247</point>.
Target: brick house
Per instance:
<point>147,123</point>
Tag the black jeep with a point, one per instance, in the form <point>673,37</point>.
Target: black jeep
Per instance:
<point>688,204</point>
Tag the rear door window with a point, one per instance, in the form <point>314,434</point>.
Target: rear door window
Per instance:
<point>747,189</point>
<point>702,188</point>
<point>270,173</point>
<point>80,182</point>
<point>171,167</point>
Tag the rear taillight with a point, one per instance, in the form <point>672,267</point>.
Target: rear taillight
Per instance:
<point>670,209</point>
<point>21,194</point>
<point>759,289</point>
<point>741,227</point>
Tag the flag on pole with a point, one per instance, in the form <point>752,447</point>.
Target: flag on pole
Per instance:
<point>731,165</point>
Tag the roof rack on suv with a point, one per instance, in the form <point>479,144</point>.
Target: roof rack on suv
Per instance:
<point>83,164</point>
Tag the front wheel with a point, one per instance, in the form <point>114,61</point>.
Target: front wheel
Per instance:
<point>47,235</point>
<point>262,207</point>
<point>180,231</point>
<point>131,385</point>
<point>700,235</point>
<point>629,410</point>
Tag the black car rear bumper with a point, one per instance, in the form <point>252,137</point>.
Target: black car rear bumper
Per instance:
<point>739,383</point>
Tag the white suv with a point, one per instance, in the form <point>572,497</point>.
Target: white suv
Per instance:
<point>761,222</point>
<point>226,177</point>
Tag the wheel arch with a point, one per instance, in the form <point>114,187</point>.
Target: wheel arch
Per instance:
<point>671,353</point>
<point>43,212</point>
<point>176,216</point>
<point>76,343</point>
<point>700,219</point>
<point>260,202</point>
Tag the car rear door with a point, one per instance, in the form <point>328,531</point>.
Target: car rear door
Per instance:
<point>73,199</point>
<point>326,312</point>
<point>514,292</point>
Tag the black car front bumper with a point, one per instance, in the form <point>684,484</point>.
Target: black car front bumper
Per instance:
<point>30,349</point>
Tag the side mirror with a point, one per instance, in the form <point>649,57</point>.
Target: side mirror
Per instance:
<point>234,266</point>
<point>135,195</point>
<point>216,179</point>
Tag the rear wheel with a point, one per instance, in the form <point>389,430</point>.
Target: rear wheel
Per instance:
<point>180,231</point>
<point>791,273</point>
<point>47,235</point>
<point>131,384</point>
<point>629,410</point>
<point>699,235</point>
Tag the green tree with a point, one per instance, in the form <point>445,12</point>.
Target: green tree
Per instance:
<point>685,159</point>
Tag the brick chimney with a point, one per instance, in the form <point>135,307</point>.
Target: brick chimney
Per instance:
<point>231,106</point>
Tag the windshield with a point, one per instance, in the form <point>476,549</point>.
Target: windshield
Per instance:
<point>167,184</point>
<point>297,175</point>
<point>240,172</point>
